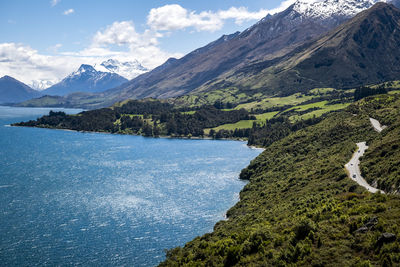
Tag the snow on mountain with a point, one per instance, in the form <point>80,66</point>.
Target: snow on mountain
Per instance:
<point>325,9</point>
<point>128,70</point>
<point>40,85</point>
<point>86,79</point>
<point>84,68</point>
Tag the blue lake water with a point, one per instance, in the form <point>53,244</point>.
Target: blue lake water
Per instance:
<point>69,198</point>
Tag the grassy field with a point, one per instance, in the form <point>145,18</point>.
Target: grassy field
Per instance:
<point>323,108</point>
<point>261,118</point>
<point>322,91</point>
<point>188,112</point>
<point>232,126</point>
<point>319,112</point>
<point>271,102</point>
<point>317,109</point>
<point>228,95</point>
<point>321,104</point>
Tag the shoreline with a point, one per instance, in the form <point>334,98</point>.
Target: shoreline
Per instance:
<point>160,136</point>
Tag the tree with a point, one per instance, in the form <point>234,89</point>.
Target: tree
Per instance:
<point>147,130</point>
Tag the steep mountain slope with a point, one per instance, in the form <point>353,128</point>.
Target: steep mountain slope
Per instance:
<point>270,38</point>
<point>13,91</point>
<point>85,79</point>
<point>265,58</point>
<point>361,51</point>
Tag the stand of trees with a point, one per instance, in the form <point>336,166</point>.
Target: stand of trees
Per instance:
<point>276,129</point>
<point>150,118</point>
<point>363,91</point>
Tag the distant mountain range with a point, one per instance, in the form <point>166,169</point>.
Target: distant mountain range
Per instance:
<point>13,91</point>
<point>86,79</point>
<point>127,70</point>
<point>295,50</point>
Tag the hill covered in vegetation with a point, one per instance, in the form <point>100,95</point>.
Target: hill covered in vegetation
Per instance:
<point>300,208</point>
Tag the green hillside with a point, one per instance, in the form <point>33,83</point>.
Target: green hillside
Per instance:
<point>300,208</point>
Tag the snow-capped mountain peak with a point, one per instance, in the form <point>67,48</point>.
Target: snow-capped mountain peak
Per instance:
<point>84,68</point>
<point>42,84</point>
<point>86,79</point>
<point>324,9</point>
<point>130,69</point>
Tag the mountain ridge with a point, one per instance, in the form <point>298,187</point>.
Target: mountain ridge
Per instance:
<point>13,91</point>
<point>360,51</point>
<point>269,38</point>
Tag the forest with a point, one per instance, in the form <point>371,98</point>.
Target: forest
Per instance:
<point>149,118</point>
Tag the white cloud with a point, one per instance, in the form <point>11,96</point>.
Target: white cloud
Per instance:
<point>175,17</point>
<point>119,33</point>
<point>68,11</point>
<point>241,14</point>
<point>141,46</point>
<point>29,66</point>
<point>26,64</point>
<point>120,41</point>
<point>54,2</point>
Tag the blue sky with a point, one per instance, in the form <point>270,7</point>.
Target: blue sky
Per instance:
<point>46,40</point>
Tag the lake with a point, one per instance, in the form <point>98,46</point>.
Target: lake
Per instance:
<point>70,198</point>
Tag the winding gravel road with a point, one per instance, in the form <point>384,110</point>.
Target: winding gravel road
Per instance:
<point>354,170</point>
<point>353,166</point>
<point>377,125</point>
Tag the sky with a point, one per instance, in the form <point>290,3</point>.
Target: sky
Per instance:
<point>45,40</point>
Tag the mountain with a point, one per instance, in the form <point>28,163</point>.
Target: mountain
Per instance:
<point>86,79</point>
<point>266,58</point>
<point>361,51</point>
<point>41,84</point>
<point>129,70</point>
<point>13,91</point>
<point>330,10</point>
<point>269,39</point>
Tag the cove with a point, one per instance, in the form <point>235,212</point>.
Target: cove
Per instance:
<point>70,198</point>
